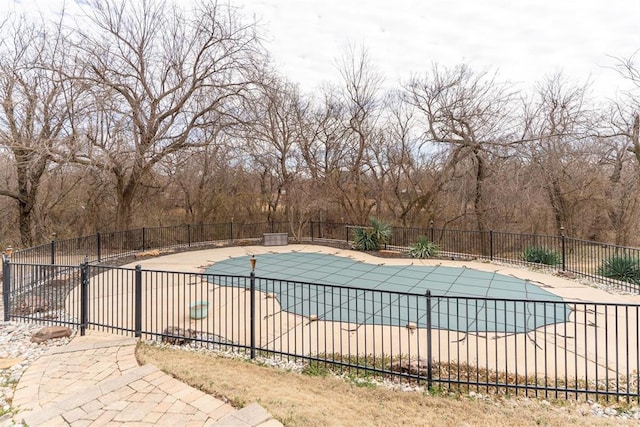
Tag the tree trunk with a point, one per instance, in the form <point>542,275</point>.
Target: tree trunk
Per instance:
<point>25,224</point>
<point>124,212</point>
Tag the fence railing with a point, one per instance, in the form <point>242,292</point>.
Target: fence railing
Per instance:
<point>582,258</point>
<point>558,349</point>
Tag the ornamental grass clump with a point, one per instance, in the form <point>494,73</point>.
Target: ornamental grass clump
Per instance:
<point>423,248</point>
<point>540,255</point>
<point>373,237</point>
<point>621,267</point>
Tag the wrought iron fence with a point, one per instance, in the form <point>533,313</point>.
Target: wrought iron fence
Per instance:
<point>559,349</point>
<point>578,257</point>
<point>581,258</point>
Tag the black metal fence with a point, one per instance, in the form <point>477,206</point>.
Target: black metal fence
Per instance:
<point>578,257</point>
<point>555,349</point>
<point>569,349</point>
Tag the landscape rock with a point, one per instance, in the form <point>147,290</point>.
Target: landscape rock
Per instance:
<point>49,333</point>
<point>175,335</point>
<point>412,366</point>
<point>566,274</point>
<point>6,363</point>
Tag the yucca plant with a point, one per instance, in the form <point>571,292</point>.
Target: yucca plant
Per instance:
<point>621,267</point>
<point>364,239</point>
<point>540,255</point>
<point>381,230</point>
<point>372,237</point>
<point>423,248</point>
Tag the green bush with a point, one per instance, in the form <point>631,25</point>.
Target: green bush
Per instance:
<point>423,248</point>
<point>621,267</point>
<point>540,255</point>
<point>372,237</point>
<point>364,239</point>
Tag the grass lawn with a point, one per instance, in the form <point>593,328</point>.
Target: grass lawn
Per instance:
<point>324,400</point>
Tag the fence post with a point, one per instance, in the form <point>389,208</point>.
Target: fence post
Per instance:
<point>491,245</point>
<point>346,228</point>
<point>429,349</point>
<point>6,285</point>
<point>231,230</point>
<point>311,227</point>
<point>564,249</point>
<point>144,239</point>
<point>138,301</point>
<point>431,233</point>
<point>53,252</point>
<point>84,297</point>
<point>189,235</point>
<point>252,284</point>
<point>99,243</point>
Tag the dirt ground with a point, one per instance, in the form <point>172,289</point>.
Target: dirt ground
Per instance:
<point>324,400</point>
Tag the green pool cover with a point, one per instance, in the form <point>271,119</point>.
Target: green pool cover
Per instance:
<point>341,289</point>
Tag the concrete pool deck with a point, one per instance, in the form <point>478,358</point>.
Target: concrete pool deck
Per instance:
<point>199,261</point>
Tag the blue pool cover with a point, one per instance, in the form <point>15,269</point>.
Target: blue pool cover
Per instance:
<point>463,299</point>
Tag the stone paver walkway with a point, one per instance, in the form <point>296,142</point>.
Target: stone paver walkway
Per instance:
<point>96,381</point>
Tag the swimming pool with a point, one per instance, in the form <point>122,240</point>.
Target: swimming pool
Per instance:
<point>336,288</point>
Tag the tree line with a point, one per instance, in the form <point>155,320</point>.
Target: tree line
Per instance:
<point>145,113</point>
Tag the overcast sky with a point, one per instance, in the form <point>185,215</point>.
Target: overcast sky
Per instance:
<point>522,39</point>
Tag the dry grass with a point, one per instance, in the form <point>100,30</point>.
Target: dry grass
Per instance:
<point>303,400</point>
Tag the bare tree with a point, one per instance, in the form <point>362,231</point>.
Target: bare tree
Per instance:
<point>207,181</point>
<point>37,112</point>
<point>558,123</point>
<point>167,78</point>
<point>417,171</point>
<point>630,125</point>
<point>276,116</point>
<point>469,113</point>
<point>362,106</point>
<point>322,149</point>
<point>620,156</point>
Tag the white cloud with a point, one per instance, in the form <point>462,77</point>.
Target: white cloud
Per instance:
<point>523,39</point>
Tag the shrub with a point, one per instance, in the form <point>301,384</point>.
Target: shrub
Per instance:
<point>423,248</point>
<point>621,267</point>
<point>372,237</point>
<point>381,230</point>
<point>540,255</point>
<point>364,240</point>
